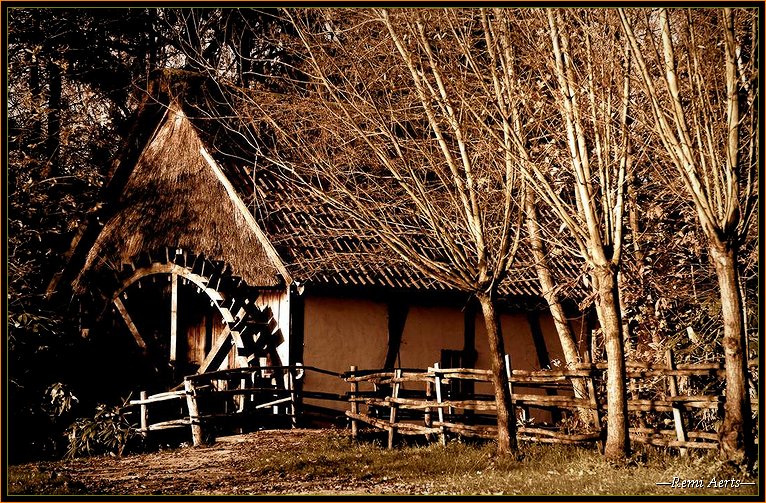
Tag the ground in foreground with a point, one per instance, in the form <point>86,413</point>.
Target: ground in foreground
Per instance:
<point>329,462</point>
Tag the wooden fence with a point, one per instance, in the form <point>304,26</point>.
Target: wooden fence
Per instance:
<point>417,402</point>
<point>230,399</point>
<point>434,402</point>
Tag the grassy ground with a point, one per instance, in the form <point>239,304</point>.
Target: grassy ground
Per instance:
<point>462,468</point>
<point>330,462</point>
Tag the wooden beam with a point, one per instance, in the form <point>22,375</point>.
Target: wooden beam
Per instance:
<point>397,318</point>
<point>129,323</point>
<point>174,318</point>
<point>354,405</point>
<point>218,352</point>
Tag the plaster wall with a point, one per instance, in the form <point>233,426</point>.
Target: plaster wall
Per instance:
<point>427,331</point>
<point>520,345</point>
<point>339,333</point>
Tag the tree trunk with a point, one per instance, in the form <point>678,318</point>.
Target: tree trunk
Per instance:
<point>617,439</point>
<point>53,139</point>
<point>506,423</point>
<point>548,287</point>
<point>735,432</point>
<point>35,90</point>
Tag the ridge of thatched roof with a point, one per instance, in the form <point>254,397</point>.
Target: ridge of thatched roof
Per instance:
<point>175,195</point>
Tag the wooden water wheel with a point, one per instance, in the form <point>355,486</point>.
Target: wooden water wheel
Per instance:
<point>192,313</point>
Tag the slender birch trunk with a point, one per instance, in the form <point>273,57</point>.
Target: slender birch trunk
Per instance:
<point>617,439</point>
<point>506,420</point>
<point>548,288</point>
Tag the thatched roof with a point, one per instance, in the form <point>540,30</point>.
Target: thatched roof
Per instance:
<point>174,197</point>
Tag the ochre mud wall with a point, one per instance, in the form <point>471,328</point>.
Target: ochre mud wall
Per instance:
<point>339,332</point>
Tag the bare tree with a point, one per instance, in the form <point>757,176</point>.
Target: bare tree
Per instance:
<point>549,289</point>
<point>588,145</point>
<point>394,133</point>
<point>698,70</point>
<point>510,89</point>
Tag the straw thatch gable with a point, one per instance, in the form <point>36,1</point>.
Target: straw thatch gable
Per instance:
<point>176,196</point>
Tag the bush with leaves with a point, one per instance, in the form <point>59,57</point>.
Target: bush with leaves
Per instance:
<point>108,432</point>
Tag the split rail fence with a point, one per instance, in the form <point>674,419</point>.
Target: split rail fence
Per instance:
<point>419,402</point>
<point>229,399</point>
<point>441,402</point>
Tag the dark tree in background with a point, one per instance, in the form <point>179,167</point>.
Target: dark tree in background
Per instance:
<point>73,74</point>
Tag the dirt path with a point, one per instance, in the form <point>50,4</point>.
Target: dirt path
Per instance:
<point>221,469</point>
<point>328,462</point>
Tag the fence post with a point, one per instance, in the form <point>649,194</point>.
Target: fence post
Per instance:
<point>144,415</point>
<point>394,407</point>
<point>673,391</point>
<point>293,398</point>
<point>354,403</point>
<point>590,385</point>
<point>427,412</point>
<point>194,420</point>
<point>440,410</point>
<point>510,385</point>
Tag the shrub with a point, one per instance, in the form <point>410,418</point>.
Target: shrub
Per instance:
<point>108,432</point>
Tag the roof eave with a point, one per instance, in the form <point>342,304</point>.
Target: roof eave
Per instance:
<point>271,252</point>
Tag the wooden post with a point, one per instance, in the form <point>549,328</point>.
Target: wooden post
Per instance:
<point>673,391</point>
<point>240,399</point>
<point>510,385</point>
<point>173,319</point>
<point>427,420</point>
<point>595,416</point>
<point>194,420</point>
<point>354,403</point>
<point>144,415</point>
<point>440,410</point>
<point>394,407</point>
<point>293,398</point>
<point>590,385</point>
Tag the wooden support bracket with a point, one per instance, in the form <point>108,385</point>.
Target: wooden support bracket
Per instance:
<point>131,326</point>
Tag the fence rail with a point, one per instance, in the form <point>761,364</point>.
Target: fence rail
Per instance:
<point>416,401</point>
<point>247,396</point>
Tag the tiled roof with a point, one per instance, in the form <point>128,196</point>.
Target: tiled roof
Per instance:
<point>321,245</point>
